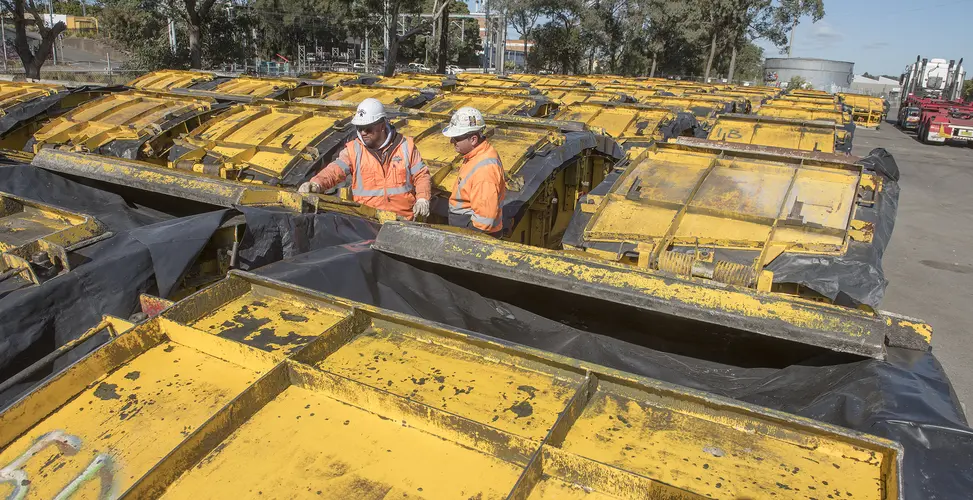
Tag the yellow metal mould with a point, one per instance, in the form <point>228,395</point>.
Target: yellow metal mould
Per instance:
<point>168,79</point>
<point>782,133</point>
<point>492,103</point>
<point>567,95</point>
<point>148,120</point>
<point>775,315</point>
<point>35,238</point>
<point>486,88</point>
<point>709,196</point>
<point>623,122</point>
<point>263,142</point>
<point>20,105</point>
<point>703,108</point>
<point>190,185</point>
<point>15,93</point>
<point>778,108</point>
<point>248,88</point>
<point>335,78</point>
<point>389,96</point>
<point>867,111</point>
<point>345,400</point>
<point>418,80</point>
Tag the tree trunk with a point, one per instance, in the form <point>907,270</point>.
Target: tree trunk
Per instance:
<point>195,47</point>
<point>444,39</point>
<point>526,53</point>
<point>655,60</point>
<point>733,64</point>
<point>709,60</point>
<point>391,56</point>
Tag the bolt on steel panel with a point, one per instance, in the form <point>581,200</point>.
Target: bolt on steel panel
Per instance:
<point>344,398</point>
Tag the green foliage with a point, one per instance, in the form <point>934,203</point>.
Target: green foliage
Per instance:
<point>797,82</point>
<point>968,90</point>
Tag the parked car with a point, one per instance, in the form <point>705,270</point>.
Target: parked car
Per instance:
<point>453,69</point>
<point>341,66</point>
<point>909,118</point>
<point>358,67</point>
<point>419,68</point>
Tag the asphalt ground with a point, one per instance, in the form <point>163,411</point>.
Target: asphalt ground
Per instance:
<point>929,262</point>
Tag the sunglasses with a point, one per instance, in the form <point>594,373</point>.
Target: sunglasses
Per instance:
<point>372,129</point>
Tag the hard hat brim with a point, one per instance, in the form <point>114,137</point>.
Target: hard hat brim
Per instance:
<point>452,132</point>
<point>359,123</point>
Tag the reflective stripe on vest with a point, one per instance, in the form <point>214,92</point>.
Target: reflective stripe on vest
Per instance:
<point>359,188</point>
<point>346,168</point>
<point>462,182</point>
<point>474,216</point>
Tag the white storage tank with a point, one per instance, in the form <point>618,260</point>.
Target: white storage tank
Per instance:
<point>822,74</point>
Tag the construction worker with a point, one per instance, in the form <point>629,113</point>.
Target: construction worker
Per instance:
<point>477,199</point>
<point>385,167</point>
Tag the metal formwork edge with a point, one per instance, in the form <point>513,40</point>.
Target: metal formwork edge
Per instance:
<point>784,317</point>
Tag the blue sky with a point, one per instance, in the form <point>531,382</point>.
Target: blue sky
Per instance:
<point>880,36</point>
<point>883,36</point>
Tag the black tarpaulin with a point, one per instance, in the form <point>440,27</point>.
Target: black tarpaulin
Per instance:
<point>906,398</point>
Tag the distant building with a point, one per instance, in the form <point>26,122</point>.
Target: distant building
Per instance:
<point>822,74</point>
<point>880,86</point>
<point>515,52</point>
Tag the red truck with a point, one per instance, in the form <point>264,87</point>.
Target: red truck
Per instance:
<point>931,99</point>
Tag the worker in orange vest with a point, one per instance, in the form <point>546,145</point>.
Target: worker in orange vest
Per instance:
<point>477,199</point>
<point>385,167</point>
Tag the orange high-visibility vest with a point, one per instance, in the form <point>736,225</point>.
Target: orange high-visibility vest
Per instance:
<point>480,189</point>
<point>393,186</point>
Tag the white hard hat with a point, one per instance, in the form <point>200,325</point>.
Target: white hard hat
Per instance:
<point>464,121</point>
<point>369,111</point>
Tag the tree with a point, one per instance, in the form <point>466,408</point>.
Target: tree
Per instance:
<point>796,82</point>
<point>523,15</point>
<point>968,90</point>
<point>32,57</point>
<point>563,29</point>
<point>196,15</point>
<point>869,75</point>
<point>387,12</point>
<point>790,12</point>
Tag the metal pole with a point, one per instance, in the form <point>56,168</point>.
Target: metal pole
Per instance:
<point>172,35</point>
<point>3,35</point>
<point>367,52</point>
<point>84,12</point>
<point>486,38</point>
<point>50,4</point>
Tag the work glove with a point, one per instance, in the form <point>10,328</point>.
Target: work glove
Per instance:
<point>309,187</point>
<point>421,208</point>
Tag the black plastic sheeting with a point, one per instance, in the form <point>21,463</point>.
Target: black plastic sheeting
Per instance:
<point>851,279</point>
<point>148,251</point>
<point>907,398</point>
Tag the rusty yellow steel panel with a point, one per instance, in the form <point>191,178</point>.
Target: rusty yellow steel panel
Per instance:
<point>791,100</point>
<point>781,133</point>
<point>415,80</point>
<point>261,142</point>
<point>135,115</point>
<point>675,194</point>
<point>14,93</point>
<point>566,96</point>
<point>35,238</point>
<point>487,88</point>
<point>867,111</point>
<point>334,78</point>
<point>168,79</point>
<point>390,96</point>
<point>487,103</point>
<point>622,122</point>
<point>379,405</point>
<point>255,87</point>
<point>777,109</point>
<point>701,106</point>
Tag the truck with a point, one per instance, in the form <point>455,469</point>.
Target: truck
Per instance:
<point>932,88</point>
